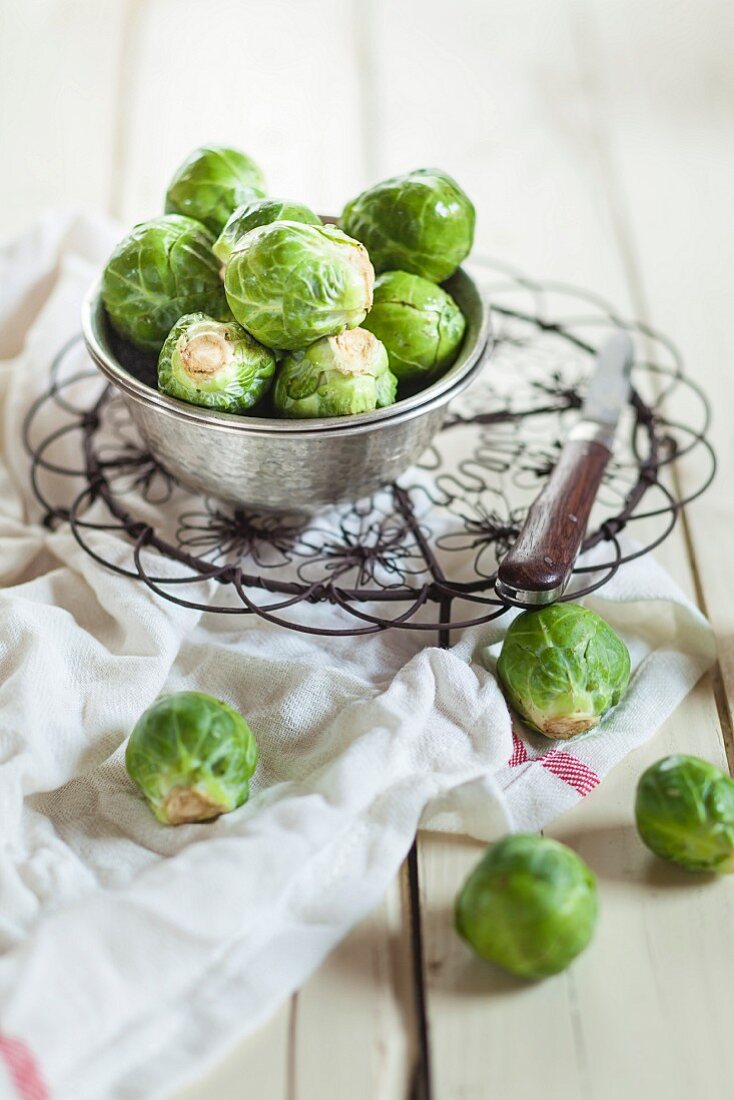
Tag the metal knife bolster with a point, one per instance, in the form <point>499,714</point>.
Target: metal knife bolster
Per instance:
<point>594,432</point>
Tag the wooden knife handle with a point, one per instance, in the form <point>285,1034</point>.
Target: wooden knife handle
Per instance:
<point>543,555</point>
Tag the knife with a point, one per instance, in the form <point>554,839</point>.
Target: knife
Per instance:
<point>538,566</point>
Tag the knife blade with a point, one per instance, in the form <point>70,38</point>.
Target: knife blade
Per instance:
<point>537,567</point>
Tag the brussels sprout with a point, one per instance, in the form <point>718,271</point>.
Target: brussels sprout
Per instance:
<point>421,222</point>
<point>530,905</point>
<point>260,212</point>
<point>159,271</point>
<point>685,813</point>
<point>336,376</point>
<point>290,284</point>
<point>419,323</point>
<point>214,363</point>
<point>563,668</point>
<point>192,756</point>
<point>211,182</point>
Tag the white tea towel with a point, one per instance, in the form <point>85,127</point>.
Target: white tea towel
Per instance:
<point>132,954</point>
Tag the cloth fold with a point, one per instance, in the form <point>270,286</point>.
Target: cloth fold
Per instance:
<point>132,954</point>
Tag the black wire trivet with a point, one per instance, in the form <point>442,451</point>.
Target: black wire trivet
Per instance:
<point>422,553</point>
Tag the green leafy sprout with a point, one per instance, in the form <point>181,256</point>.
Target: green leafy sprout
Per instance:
<point>335,376</point>
<point>419,323</point>
<point>421,222</point>
<point>215,364</point>
<point>684,811</point>
<point>211,183</point>
<point>562,669</point>
<point>530,906</point>
<point>289,284</point>
<point>192,756</point>
<point>256,213</point>
<point>162,269</point>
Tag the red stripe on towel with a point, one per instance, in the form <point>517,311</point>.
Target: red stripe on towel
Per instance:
<point>561,764</point>
<point>23,1069</point>
<point>570,770</point>
<point>519,752</point>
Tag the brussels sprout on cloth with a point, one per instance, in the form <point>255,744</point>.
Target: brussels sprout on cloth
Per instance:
<point>421,222</point>
<point>563,668</point>
<point>419,323</point>
<point>289,284</point>
<point>211,182</point>
<point>259,212</point>
<point>214,363</point>
<point>192,756</point>
<point>336,376</point>
<point>530,905</point>
<point>162,269</point>
<point>684,811</point>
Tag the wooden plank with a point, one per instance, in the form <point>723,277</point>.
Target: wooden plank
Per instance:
<point>656,983</point>
<point>258,1066</point>
<point>354,1024</point>
<point>347,1032</point>
<point>281,82</point>
<point>537,159</point>
<point>59,62</point>
<point>491,95</point>
<point>645,1011</point>
<point>670,116</point>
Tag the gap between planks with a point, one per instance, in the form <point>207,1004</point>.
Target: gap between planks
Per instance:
<point>420,1086</point>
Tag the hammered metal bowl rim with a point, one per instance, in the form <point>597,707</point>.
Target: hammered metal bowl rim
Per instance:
<point>438,393</point>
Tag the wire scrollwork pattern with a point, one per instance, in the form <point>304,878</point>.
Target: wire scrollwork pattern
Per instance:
<point>422,553</point>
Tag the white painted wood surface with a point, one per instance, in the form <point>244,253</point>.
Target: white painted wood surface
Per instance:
<point>596,138</point>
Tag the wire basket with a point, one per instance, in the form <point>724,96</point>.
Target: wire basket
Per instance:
<point>422,553</point>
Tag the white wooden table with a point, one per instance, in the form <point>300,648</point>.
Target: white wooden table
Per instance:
<point>597,140</point>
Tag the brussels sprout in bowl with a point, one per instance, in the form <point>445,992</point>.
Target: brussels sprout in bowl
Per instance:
<point>421,222</point>
<point>160,270</point>
<point>337,376</point>
<point>211,182</point>
<point>257,212</point>
<point>215,364</point>
<point>280,464</point>
<point>418,322</point>
<point>290,283</point>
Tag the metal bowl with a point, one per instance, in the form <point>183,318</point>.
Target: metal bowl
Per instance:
<point>285,465</point>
